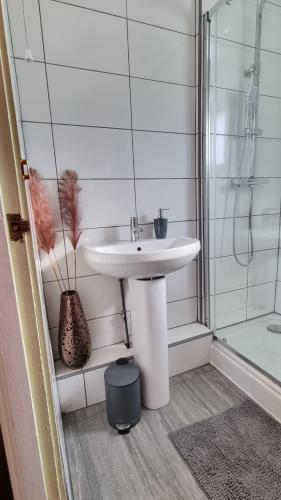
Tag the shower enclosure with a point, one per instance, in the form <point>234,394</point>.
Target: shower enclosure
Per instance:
<point>241,172</point>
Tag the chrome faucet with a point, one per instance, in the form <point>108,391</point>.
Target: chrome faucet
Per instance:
<point>135,229</point>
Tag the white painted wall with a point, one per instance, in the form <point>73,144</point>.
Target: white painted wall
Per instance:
<point>118,107</point>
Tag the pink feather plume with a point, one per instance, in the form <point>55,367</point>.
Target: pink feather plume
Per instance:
<point>69,189</point>
<point>43,218</point>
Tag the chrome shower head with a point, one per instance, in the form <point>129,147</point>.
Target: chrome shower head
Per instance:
<point>251,97</point>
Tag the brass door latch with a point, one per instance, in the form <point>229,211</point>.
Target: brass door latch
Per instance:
<point>17,227</point>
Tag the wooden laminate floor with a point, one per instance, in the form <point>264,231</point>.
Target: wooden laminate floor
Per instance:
<point>144,465</point>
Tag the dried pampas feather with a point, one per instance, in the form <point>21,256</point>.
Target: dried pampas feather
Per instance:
<point>69,189</point>
<point>44,222</point>
<point>43,219</point>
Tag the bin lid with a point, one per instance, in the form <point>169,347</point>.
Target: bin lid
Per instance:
<point>121,373</point>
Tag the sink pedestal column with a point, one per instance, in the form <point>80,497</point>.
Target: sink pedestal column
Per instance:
<point>150,343</point>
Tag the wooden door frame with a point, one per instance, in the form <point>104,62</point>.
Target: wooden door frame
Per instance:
<point>27,410</point>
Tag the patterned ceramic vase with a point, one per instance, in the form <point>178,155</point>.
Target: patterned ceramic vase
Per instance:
<point>74,341</point>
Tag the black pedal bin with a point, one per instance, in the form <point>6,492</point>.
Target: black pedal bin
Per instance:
<point>123,399</point>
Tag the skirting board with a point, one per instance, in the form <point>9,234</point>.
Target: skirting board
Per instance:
<point>256,385</point>
<point>87,388</point>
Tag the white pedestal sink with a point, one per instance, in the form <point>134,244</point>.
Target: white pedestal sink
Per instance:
<point>145,263</point>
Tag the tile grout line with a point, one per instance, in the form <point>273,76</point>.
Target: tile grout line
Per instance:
<point>128,310</point>
<point>111,128</point>
<point>243,288</point>
<point>110,73</point>
<point>261,316</point>
<point>226,256</point>
<point>128,178</point>
<point>119,16</point>
<point>131,109</point>
<point>244,92</point>
<point>53,138</point>
<point>127,225</point>
<point>268,51</point>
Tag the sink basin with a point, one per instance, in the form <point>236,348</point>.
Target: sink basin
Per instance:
<point>141,259</point>
<point>145,263</point>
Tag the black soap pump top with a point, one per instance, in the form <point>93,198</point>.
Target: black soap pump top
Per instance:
<point>161,224</point>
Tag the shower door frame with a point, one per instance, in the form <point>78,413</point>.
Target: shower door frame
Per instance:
<point>203,167</point>
<point>256,383</point>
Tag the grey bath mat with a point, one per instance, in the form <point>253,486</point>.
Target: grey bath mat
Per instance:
<point>235,455</point>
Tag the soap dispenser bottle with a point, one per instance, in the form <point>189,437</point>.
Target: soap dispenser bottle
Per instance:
<point>161,224</point>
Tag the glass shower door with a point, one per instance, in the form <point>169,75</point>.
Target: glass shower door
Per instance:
<point>243,167</point>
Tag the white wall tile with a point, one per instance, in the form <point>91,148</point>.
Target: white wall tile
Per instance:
<point>182,229</point>
<point>94,152</point>
<point>179,15</point>
<point>182,283</point>
<point>222,199</point>
<point>236,21</point>
<point>117,7</point>
<point>226,275</point>
<point>267,197</point>
<point>70,32</point>
<point>228,118</point>
<point>32,25</point>
<point>265,231</point>
<point>161,54</point>
<point>175,230</point>
<point>52,298</point>
<point>270,73</point>
<point>106,203</point>
<point>230,307</point>
<point>94,383</point>
<point>271,20</point>
<point>182,312</point>
<point>39,148</point>
<point>88,99</point>
<point>106,331</point>
<point>177,195</point>
<point>232,60</point>
<point>163,107</point>
<point>58,259</point>
<point>221,236</point>
<point>270,117</point>
<point>189,355</point>
<point>226,153</point>
<point>100,296</point>
<point>33,91</point>
<point>98,236</point>
<point>260,300</point>
<point>263,267</point>
<point>164,155</point>
<point>268,158</point>
<point>71,393</point>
